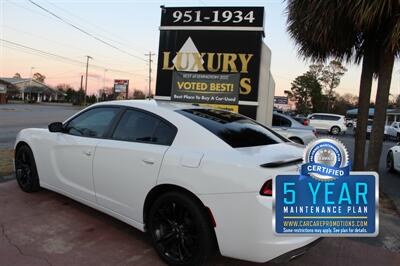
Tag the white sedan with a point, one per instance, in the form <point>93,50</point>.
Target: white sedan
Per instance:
<point>393,159</point>
<point>196,179</point>
<point>292,129</point>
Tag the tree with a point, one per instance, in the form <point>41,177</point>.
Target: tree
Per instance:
<point>106,94</point>
<point>64,87</point>
<point>17,75</point>
<point>306,93</point>
<point>138,94</point>
<point>39,77</point>
<point>379,18</point>
<point>326,29</point>
<point>331,75</point>
<point>343,103</point>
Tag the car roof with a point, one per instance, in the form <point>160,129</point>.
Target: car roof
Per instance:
<point>143,103</point>
<point>326,114</point>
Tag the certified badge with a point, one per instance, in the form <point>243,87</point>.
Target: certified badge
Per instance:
<point>326,159</point>
<point>325,198</point>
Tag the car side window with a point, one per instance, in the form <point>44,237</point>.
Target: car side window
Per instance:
<point>139,126</point>
<point>92,123</point>
<point>164,134</point>
<point>279,121</point>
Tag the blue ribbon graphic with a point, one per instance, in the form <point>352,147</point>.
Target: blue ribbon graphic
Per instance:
<point>322,169</point>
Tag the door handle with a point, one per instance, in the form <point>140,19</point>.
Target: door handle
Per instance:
<point>87,153</point>
<point>148,161</point>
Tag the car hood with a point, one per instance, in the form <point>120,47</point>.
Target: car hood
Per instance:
<point>274,153</point>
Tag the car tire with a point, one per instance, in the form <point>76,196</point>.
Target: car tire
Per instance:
<point>349,125</point>
<point>180,229</point>
<point>335,130</point>
<point>390,162</point>
<point>25,170</point>
<point>297,140</point>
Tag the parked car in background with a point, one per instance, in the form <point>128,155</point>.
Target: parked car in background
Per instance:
<point>172,170</point>
<point>302,120</point>
<point>350,122</point>
<point>393,159</point>
<point>393,131</point>
<point>291,129</point>
<point>369,129</point>
<point>332,123</point>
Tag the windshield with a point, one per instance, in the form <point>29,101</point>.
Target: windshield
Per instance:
<point>236,130</point>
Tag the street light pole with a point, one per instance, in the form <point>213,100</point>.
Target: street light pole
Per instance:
<point>30,84</point>
<point>87,69</point>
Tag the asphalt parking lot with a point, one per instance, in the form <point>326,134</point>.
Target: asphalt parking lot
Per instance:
<point>14,117</point>
<point>45,228</point>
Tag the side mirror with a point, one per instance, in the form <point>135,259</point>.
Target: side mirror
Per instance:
<point>56,127</point>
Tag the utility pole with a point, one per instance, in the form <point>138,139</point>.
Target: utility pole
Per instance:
<point>87,69</point>
<point>150,61</point>
<point>104,79</point>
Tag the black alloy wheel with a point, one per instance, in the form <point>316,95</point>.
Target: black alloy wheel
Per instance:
<point>180,229</point>
<point>335,130</point>
<point>25,170</point>
<point>390,162</point>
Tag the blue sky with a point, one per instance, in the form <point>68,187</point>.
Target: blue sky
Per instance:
<point>132,26</point>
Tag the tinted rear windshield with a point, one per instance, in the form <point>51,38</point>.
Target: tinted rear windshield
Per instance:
<point>236,130</point>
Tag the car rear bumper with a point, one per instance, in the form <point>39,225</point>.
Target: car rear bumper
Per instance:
<point>244,227</point>
<point>294,254</point>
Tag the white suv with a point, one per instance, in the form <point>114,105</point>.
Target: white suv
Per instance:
<point>334,124</point>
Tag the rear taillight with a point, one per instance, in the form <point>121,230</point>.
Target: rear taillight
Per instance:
<point>306,122</point>
<point>266,189</point>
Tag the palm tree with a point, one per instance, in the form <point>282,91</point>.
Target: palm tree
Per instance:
<point>324,29</point>
<point>380,19</point>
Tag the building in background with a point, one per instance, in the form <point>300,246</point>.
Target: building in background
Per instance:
<point>392,115</point>
<point>7,90</point>
<point>31,90</point>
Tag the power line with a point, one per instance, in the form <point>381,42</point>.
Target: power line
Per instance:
<point>63,58</point>
<point>97,27</point>
<point>84,31</point>
<point>104,59</point>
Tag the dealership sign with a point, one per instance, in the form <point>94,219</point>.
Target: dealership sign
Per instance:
<point>210,55</point>
<point>281,100</point>
<point>121,85</point>
<point>325,198</point>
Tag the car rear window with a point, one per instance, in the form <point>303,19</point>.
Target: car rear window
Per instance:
<point>236,130</point>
